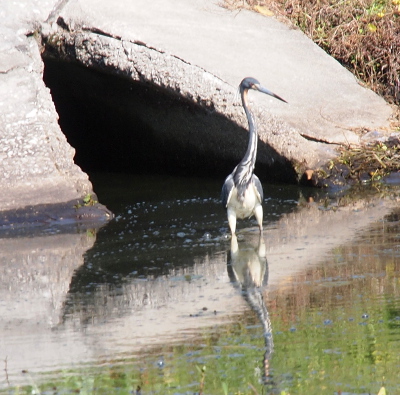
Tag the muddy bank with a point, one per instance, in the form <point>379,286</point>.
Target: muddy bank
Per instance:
<point>45,219</point>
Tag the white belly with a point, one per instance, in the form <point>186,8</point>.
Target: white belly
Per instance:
<point>246,208</point>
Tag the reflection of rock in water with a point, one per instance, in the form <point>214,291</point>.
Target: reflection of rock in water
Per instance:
<point>35,274</point>
<point>248,268</point>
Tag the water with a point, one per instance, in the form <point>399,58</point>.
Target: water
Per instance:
<point>160,301</point>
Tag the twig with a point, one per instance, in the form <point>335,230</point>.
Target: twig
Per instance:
<point>379,160</point>
<point>6,370</point>
<point>253,389</point>
<point>203,377</point>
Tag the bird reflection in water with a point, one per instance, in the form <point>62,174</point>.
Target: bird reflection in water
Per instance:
<point>248,270</point>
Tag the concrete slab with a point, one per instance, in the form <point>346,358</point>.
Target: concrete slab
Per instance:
<point>36,162</point>
<point>326,103</point>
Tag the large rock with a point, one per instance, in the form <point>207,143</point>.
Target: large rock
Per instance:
<point>36,161</point>
<point>203,51</point>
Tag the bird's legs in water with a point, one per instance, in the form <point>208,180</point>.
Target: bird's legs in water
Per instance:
<point>232,220</point>
<point>258,213</point>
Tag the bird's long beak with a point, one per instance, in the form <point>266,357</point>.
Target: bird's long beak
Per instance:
<point>268,92</point>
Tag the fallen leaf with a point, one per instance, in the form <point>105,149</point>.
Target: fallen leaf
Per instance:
<point>263,10</point>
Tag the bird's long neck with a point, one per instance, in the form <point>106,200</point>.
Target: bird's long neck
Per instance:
<point>251,152</point>
<point>244,169</point>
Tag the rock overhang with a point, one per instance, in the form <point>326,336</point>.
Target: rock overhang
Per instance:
<point>218,130</point>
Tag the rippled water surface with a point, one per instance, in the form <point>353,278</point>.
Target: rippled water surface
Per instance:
<point>160,301</point>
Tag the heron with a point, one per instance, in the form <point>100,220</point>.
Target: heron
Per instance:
<point>242,193</point>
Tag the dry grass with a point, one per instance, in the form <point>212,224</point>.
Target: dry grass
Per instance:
<point>368,163</point>
<point>363,35</point>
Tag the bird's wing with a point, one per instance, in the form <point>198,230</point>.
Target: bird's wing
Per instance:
<point>227,189</point>
<point>259,188</point>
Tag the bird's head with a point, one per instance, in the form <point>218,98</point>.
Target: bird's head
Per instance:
<point>252,83</point>
<point>249,83</point>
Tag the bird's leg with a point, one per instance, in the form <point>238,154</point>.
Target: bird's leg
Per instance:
<point>234,246</point>
<point>258,213</point>
<point>232,220</point>
<point>261,250</point>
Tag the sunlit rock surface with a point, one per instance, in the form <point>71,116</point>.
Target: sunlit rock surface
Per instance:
<point>36,162</point>
<point>143,42</point>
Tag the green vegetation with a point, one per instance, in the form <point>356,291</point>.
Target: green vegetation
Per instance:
<point>87,201</point>
<point>373,161</point>
<point>366,164</point>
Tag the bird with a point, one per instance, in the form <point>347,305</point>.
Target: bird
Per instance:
<point>242,193</point>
